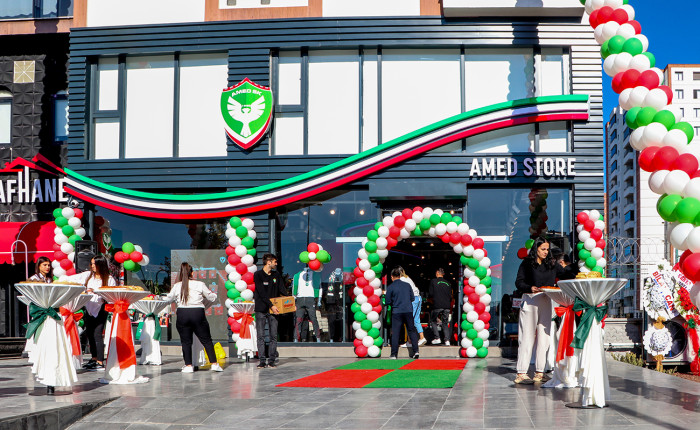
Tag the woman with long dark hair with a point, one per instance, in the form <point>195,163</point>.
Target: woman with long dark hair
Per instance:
<point>96,315</point>
<point>43,271</point>
<point>190,295</point>
<point>538,269</point>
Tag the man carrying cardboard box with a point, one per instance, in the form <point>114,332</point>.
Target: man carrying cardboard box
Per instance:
<point>268,284</point>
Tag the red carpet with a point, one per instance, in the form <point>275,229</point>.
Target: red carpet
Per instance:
<point>435,365</point>
<point>338,378</point>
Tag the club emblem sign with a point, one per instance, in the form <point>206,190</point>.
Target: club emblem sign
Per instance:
<point>247,111</point>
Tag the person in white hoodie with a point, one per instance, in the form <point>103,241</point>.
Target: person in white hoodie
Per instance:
<point>190,296</point>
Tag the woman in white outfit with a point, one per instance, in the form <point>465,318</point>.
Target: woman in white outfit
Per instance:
<point>96,315</point>
<point>44,271</point>
<point>190,296</point>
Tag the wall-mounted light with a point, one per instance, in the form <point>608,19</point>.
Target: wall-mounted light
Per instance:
<point>362,211</point>
<point>413,243</point>
<point>332,211</point>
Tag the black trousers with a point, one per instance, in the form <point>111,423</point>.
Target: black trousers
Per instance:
<point>444,315</point>
<point>94,330</point>
<point>335,322</point>
<point>260,319</point>
<point>397,321</point>
<point>306,308</point>
<point>189,321</point>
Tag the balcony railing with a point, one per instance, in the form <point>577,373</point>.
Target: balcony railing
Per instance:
<point>35,9</point>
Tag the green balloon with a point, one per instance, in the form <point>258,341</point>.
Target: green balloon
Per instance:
<point>472,333</point>
<point>584,254</point>
<point>360,316</point>
<point>129,265</point>
<point>229,285</point>
<point>616,44</point>
<point>599,270</point>
<point>304,257</point>
<point>378,224</point>
<point>445,218</point>
<point>666,206</point>
<point>631,117</point>
<point>464,323</point>
<point>58,212</point>
<point>481,272</point>
<point>67,230</point>
<point>605,49</point>
<point>136,268</point>
<point>372,235</point>
<point>646,116</point>
<point>355,307</point>
<point>241,232</point>
<point>128,247</point>
<point>464,317</point>
<point>665,117</point>
<point>590,262</point>
<point>61,222</point>
<point>373,258</point>
<point>373,333</point>
<point>248,242</point>
<point>240,300</point>
<point>424,224</point>
<point>366,325</point>
<point>457,220</point>
<point>463,259</point>
<point>378,341</point>
<point>529,243</point>
<point>473,263</point>
<point>478,343</point>
<point>579,246</point>
<point>434,219</point>
<point>74,238</point>
<point>416,231</point>
<point>682,126</point>
<point>486,282</point>
<point>650,56</point>
<point>371,247</point>
<point>687,209</point>
<point>323,256</point>
<point>482,352</point>
<point>235,222</point>
<point>488,290</point>
<point>252,252</point>
<point>232,294</point>
<point>378,268</point>
<point>633,46</point>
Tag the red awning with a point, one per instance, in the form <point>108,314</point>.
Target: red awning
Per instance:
<point>37,235</point>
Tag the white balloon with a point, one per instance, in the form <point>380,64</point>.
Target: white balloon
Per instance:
<point>417,216</point>
<point>579,228</point>
<point>145,260</point>
<point>247,259</point>
<point>253,268</point>
<point>367,341</point>
<point>597,253</point>
<point>629,9</point>
<point>692,189</point>
<point>465,342</point>
<point>138,248</point>
<point>382,243</point>
<point>228,303</point>
<point>361,299</point>
<point>654,134</point>
<point>468,273</point>
<point>80,231</point>
<point>373,316</point>
<point>74,222</point>
<point>382,253</point>
<point>677,139</point>
<point>485,299</point>
<point>438,212</point>
<point>383,231</point>
<point>451,227</point>
<point>440,229</point>
<point>60,239</point>
<point>366,308</point>
<point>676,111</point>
<point>362,254</point>
<point>357,291</point>
<point>484,334</point>
<point>660,74</point>
<point>471,352</point>
<point>58,271</point>
<point>431,232</point>
<point>600,262</point>
<point>312,255</point>
<point>637,138</point>
<point>458,248</point>
<point>67,248</point>
<point>376,283</point>
<point>613,3</point>
<point>377,324</point>
<point>598,34</point>
<point>695,294</point>
<point>584,269</point>
<point>623,59</point>
<point>410,225</point>
<point>241,250</point>
<point>583,235</point>
<point>462,229</point>
<point>624,99</point>
<point>693,240</point>
<point>656,181</point>
<point>639,62</point>
<point>241,285</point>
<point>388,221</point>
<point>485,262</point>
<point>675,182</point>
<point>427,212</point>
<point>609,63</point>
<point>71,256</point>
<point>405,234</point>
<point>377,291</point>
<point>234,276</point>
<point>373,351</point>
<point>248,223</point>
<point>355,325</point>
<point>472,316</point>
<point>370,275</point>
<point>467,307</point>
<point>478,254</point>
<point>600,225</point>
<point>657,99</point>
<point>230,232</point>
<point>67,212</point>
<point>57,230</point>
<point>360,334</point>
<point>472,233</point>
<point>626,31</point>
<point>589,244</point>
<point>252,234</point>
<point>234,241</point>
<point>480,289</point>
<point>637,96</point>
<point>396,213</point>
<point>478,325</point>
<point>679,234</point>
<point>645,42</point>
<point>468,250</point>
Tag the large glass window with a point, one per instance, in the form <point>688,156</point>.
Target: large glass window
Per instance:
<point>22,9</point>
<point>5,117</point>
<point>506,222</point>
<point>159,106</point>
<point>60,116</point>
<point>494,76</point>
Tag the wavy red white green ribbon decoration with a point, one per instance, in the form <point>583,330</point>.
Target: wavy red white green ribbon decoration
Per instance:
<point>660,135</point>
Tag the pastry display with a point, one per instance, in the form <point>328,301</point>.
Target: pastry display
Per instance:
<point>122,287</point>
<point>589,275</point>
<point>550,288</point>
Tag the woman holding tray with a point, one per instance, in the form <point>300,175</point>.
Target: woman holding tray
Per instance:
<point>96,315</point>
<point>538,269</point>
<point>191,296</point>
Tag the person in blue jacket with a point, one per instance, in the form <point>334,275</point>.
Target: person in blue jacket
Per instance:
<point>399,295</point>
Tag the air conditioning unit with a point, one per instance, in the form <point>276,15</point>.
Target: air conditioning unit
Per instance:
<point>679,351</point>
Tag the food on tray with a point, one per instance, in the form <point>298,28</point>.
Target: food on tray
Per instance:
<point>550,288</point>
<point>122,287</point>
<point>589,275</point>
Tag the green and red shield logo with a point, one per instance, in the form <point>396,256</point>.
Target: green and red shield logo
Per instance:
<point>247,111</point>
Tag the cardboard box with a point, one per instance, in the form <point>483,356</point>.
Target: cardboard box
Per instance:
<point>284,304</point>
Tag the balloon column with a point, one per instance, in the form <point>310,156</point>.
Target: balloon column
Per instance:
<point>659,134</point>
<point>315,256</point>
<point>68,230</point>
<point>422,222</point>
<point>538,218</point>
<point>591,244</point>
<point>132,257</point>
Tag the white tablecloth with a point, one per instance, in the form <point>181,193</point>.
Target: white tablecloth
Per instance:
<point>248,346</point>
<point>29,346</point>
<point>564,374</point>
<point>75,305</point>
<point>150,347</point>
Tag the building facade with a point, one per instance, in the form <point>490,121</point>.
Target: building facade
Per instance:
<point>684,80</point>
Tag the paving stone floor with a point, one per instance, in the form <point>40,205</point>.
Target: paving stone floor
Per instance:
<point>246,397</point>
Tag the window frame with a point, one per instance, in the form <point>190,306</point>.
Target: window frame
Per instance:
<point>679,75</point>
<point>38,5</point>
<point>7,99</point>
<point>680,94</point>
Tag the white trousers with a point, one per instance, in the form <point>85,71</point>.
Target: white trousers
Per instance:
<point>535,321</point>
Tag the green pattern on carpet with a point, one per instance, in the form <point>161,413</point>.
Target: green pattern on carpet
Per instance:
<point>416,379</point>
<point>376,364</point>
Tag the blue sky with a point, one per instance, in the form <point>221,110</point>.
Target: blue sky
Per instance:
<point>674,33</point>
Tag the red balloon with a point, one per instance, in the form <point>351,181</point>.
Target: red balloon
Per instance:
<point>593,19</point>
<point>468,289</point>
<point>646,158</point>
<point>241,268</point>
<point>589,225</point>
<point>399,221</point>
<point>486,253</point>
<point>479,307</point>
<point>487,325</point>
<point>314,265</point>
<point>59,255</point>
<point>649,79</point>
<point>581,217</point>
<point>391,242</point>
<point>485,317</point>
<point>474,298</point>
<point>374,300</point>
<point>357,342</point>
<point>466,240</point>
<point>230,250</point>
<point>630,77</point>
<point>251,287</point>
<point>361,351</point>
<point>522,253</point>
<point>620,16</point>
<point>669,93</point>
<point>378,308</point>
<point>313,247</point>
<point>66,264</point>
<point>78,213</point>
<point>394,232</point>
<point>600,244</point>
<point>687,163</point>
<point>664,158</point>
<point>445,238</point>
<point>418,209</point>
<point>367,290</point>
<point>463,352</point>
<point>455,238</point>
<point>136,256</point>
<point>407,213</point>
<point>478,243</point>
<point>691,267</point>
<point>56,247</point>
<point>99,221</point>
<point>605,14</point>
<point>617,82</point>
<point>362,282</point>
<point>695,175</point>
<point>358,273</point>
<point>683,256</point>
<point>596,234</point>
<point>247,277</point>
<point>71,271</point>
<point>637,26</point>
<point>121,257</point>
<point>233,259</point>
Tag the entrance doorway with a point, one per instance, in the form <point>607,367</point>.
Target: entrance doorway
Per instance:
<point>420,258</point>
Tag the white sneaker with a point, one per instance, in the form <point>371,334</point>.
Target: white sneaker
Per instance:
<point>422,342</point>
<point>406,345</point>
<point>393,357</point>
<point>187,369</point>
<point>436,342</point>
<point>447,343</point>
<point>216,367</point>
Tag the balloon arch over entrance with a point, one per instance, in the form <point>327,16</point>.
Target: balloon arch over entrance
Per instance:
<point>422,222</point>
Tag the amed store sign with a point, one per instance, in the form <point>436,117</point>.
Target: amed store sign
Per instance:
<point>27,182</point>
<point>560,167</point>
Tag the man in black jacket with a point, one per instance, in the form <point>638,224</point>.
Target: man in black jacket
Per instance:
<point>441,293</point>
<point>399,295</point>
<point>268,284</point>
